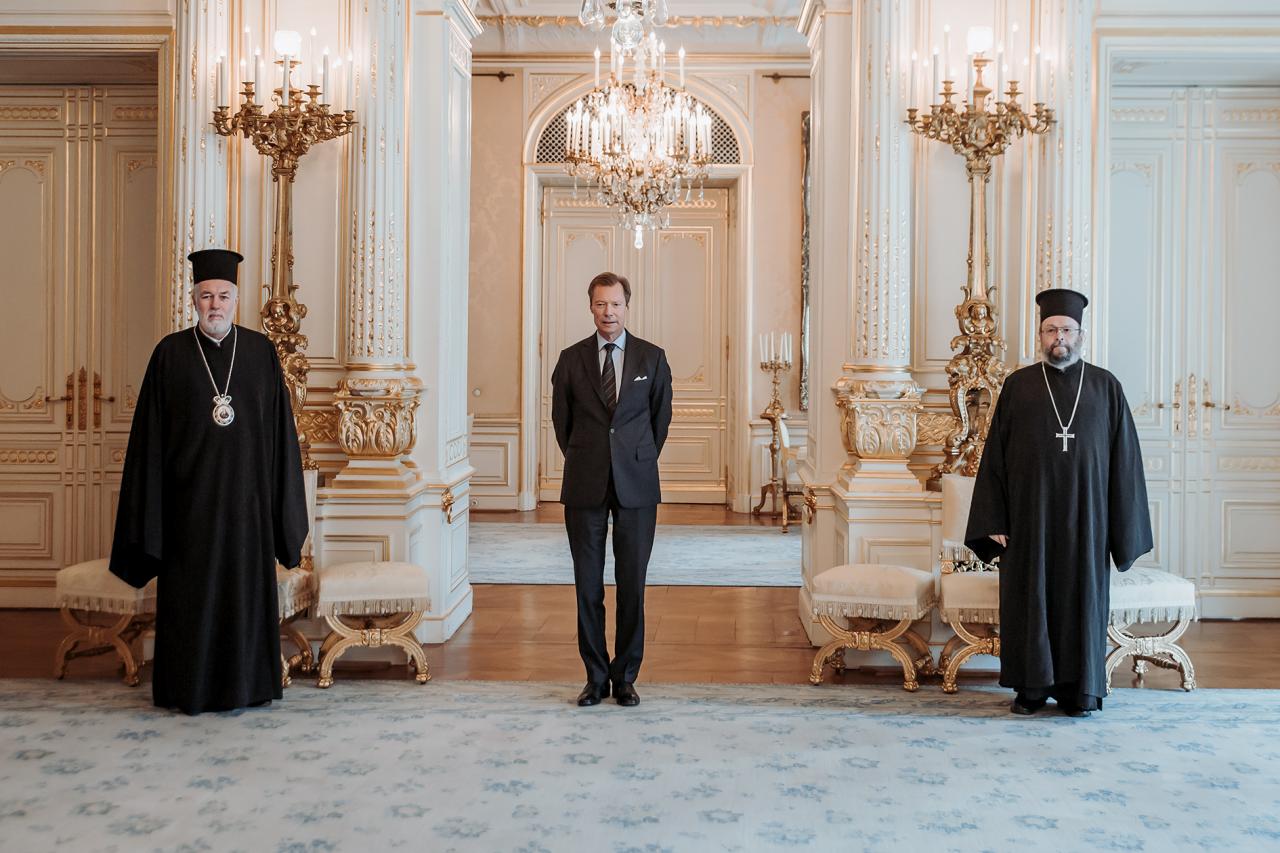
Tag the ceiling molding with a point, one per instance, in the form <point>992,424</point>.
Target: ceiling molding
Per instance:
<point>695,21</point>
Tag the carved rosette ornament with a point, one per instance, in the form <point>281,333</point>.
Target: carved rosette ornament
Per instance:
<point>377,416</point>
<point>878,418</point>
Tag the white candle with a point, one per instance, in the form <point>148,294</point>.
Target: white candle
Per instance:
<point>244,72</point>
<point>1043,74</point>
<point>1013,46</point>
<point>1000,72</point>
<point>222,82</point>
<point>968,78</point>
<point>248,40</point>
<point>937,76</point>
<point>350,102</point>
<point>597,82</point>
<point>911,90</point>
<point>681,67</point>
<point>324,77</point>
<point>760,343</point>
<point>257,79</point>
<point>946,56</point>
<point>1037,85</point>
<point>310,64</point>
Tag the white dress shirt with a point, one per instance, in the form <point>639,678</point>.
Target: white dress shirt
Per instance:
<point>621,344</point>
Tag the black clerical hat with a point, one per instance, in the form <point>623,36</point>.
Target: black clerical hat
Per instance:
<point>1061,302</point>
<point>221,264</point>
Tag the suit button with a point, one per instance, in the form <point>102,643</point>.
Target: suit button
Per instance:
<point>610,430</point>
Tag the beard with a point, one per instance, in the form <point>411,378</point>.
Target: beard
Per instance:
<point>216,329</point>
<point>1062,355</point>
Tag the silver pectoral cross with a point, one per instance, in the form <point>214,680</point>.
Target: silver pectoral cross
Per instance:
<point>1064,435</point>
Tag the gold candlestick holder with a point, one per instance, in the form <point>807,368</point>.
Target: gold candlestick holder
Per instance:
<point>300,120</point>
<point>780,451</point>
<point>976,372</point>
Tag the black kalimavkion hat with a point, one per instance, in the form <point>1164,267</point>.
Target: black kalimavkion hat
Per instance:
<point>222,264</point>
<point>1061,302</point>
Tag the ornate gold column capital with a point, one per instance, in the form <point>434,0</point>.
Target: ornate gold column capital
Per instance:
<point>377,416</point>
<point>878,417</point>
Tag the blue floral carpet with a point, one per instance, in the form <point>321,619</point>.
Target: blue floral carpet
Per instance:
<point>683,555</point>
<point>380,765</point>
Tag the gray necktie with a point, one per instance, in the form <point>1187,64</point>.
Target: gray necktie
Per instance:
<point>609,379</point>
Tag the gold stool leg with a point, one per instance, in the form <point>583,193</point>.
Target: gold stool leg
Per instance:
<point>101,639</point>
<point>878,636</point>
<point>970,644</point>
<point>373,632</point>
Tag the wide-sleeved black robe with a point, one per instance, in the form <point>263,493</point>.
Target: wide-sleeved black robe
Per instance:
<point>209,510</point>
<point>1068,515</point>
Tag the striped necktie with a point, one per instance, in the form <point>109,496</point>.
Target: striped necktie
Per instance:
<point>608,378</point>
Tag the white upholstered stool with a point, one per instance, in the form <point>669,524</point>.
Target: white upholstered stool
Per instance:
<point>1144,595</point>
<point>878,603</point>
<point>295,595</point>
<point>969,590</point>
<point>372,605</point>
<point>84,591</point>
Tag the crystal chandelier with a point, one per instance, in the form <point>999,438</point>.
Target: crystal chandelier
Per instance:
<point>638,142</point>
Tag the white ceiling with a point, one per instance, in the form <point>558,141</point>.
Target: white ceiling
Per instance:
<point>763,35</point>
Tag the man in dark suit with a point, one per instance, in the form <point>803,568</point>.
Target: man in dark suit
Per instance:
<point>611,406</point>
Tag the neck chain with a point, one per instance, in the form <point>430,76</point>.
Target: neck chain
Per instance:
<point>1065,435</point>
<point>223,414</point>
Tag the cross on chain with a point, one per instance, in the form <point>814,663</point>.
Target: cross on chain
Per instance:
<point>1064,435</point>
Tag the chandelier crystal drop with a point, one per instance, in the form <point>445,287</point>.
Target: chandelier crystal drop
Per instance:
<point>639,143</point>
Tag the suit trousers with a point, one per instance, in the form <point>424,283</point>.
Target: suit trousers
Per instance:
<point>633,530</point>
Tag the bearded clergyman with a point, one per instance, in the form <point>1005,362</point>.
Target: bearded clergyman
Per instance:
<point>211,498</point>
<point>1060,496</point>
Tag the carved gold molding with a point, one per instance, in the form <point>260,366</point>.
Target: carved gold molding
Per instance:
<point>934,427</point>
<point>377,416</point>
<point>29,113</point>
<point>696,21</point>
<point>878,417</point>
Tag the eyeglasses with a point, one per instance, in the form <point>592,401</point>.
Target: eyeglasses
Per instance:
<point>1052,331</point>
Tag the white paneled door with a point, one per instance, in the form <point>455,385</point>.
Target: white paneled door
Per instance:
<point>78,219</point>
<point>1192,301</point>
<point>679,281</point>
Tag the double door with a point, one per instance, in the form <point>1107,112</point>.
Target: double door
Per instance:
<point>1191,302</point>
<point>82,302</point>
<point>678,302</point>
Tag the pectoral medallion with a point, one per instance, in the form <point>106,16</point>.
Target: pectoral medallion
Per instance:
<point>223,414</point>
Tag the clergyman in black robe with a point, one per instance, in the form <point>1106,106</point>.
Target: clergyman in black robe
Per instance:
<point>1060,495</point>
<point>211,497</point>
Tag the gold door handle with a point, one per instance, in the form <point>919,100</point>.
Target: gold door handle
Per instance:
<point>98,399</point>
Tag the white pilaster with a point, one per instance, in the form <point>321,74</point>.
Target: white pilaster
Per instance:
<point>439,156</point>
<point>828,28</point>
<point>199,155</point>
<point>405,491</point>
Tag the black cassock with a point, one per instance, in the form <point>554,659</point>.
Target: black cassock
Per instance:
<point>209,510</point>
<point>1068,515</point>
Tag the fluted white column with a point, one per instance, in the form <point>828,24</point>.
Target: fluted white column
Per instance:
<point>379,397</point>
<point>878,398</point>
<point>199,155</point>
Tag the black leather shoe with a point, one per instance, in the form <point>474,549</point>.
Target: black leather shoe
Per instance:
<point>1073,711</point>
<point>625,693</point>
<point>1025,709</point>
<point>592,694</point>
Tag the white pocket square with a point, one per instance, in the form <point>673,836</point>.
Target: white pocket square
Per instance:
<point>638,378</point>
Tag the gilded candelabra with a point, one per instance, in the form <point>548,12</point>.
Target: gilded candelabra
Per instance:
<point>977,370</point>
<point>780,451</point>
<point>300,119</point>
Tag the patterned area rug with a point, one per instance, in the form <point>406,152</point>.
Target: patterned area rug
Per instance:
<point>683,555</point>
<point>486,766</point>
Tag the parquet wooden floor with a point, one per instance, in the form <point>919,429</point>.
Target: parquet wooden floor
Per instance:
<point>692,634</point>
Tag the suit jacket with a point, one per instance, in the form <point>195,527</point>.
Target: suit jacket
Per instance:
<point>628,441</point>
